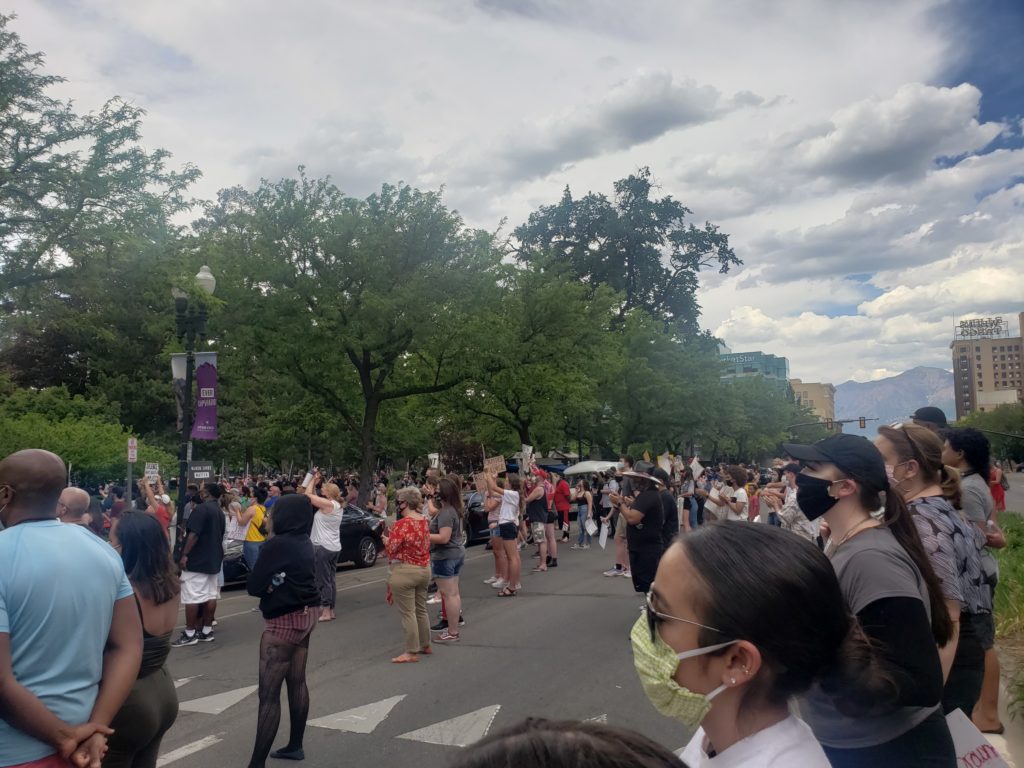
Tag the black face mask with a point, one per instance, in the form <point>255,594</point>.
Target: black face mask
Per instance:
<point>812,496</point>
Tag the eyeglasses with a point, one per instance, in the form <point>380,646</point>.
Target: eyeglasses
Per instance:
<point>654,616</point>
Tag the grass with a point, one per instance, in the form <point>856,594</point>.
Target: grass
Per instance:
<point>1009,607</point>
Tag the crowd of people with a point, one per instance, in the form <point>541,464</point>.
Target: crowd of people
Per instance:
<point>864,619</point>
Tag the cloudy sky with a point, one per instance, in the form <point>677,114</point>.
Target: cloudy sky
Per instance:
<point>866,158</point>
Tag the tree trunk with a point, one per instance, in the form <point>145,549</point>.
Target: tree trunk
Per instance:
<point>368,440</point>
<point>524,434</point>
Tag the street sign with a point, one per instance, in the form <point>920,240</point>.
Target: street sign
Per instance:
<point>133,450</point>
<point>200,472</point>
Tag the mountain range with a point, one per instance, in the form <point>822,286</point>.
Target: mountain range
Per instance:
<point>894,398</point>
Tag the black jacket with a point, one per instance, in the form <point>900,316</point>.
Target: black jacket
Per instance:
<point>289,552</point>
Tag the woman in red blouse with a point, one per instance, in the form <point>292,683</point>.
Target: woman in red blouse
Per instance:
<point>408,548</point>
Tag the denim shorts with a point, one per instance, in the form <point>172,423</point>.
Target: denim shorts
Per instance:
<point>508,531</point>
<point>447,569</point>
<point>495,532</point>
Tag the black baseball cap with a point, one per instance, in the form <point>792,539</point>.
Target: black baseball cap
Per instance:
<point>932,415</point>
<point>856,456</point>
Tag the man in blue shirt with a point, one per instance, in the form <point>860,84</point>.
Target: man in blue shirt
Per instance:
<point>58,695</point>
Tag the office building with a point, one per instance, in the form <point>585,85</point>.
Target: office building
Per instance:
<point>819,397</point>
<point>987,364</point>
<point>737,365</point>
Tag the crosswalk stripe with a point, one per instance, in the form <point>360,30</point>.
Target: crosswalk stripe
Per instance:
<point>188,749</point>
<point>459,731</point>
<point>214,705</point>
<point>599,719</point>
<point>185,680</point>
<point>364,719</point>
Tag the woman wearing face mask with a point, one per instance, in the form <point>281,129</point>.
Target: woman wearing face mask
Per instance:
<point>913,458</point>
<point>889,584</point>
<point>727,653</point>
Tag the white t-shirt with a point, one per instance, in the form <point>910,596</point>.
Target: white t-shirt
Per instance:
<point>326,531</point>
<point>787,744</point>
<point>509,512</point>
<point>740,494</point>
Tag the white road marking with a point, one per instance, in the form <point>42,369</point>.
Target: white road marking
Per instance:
<point>214,705</point>
<point>460,731</point>
<point>185,680</point>
<point>599,719</point>
<point>188,749</point>
<point>363,719</point>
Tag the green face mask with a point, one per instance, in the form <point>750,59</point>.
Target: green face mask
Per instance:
<point>656,665</point>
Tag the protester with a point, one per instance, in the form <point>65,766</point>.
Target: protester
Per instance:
<point>563,503</point>
<point>783,502</point>
<point>969,452</point>
<point>408,550</point>
<point>541,743</point>
<point>73,507</point>
<point>931,418</point>
<point>492,505</point>
<point>510,510</point>
<point>996,479</point>
<point>727,641</point>
<point>201,558</point>
<point>448,552</point>
<point>644,518</point>
<point>158,503</point>
<point>584,511</point>
<point>551,521</point>
<point>687,500</point>
<point>611,517</point>
<point>68,656</point>
<point>326,538</point>
<point>733,496</point>
<point>670,511</point>
<point>284,581</point>
<point>537,516</point>
<point>253,521</point>
<point>152,706</point>
<point>890,586</point>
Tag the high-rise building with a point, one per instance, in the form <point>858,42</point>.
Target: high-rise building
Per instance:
<point>987,364</point>
<point>737,365</point>
<point>819,397</point>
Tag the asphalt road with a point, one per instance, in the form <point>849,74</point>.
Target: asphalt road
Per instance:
<point>558,650</point>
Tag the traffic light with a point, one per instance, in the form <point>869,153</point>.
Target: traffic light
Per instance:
<point>828,424</point>
<point>862,422</point>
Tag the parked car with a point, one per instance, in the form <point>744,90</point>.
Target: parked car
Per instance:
<point>362,541</point>
<point>475,517</point>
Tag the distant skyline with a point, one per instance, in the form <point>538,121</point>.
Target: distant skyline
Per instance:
<point>867,159</point>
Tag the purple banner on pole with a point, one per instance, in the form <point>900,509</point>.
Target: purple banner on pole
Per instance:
<point>205,425</point>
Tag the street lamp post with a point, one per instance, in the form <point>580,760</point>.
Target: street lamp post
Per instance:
<point>191,324</point>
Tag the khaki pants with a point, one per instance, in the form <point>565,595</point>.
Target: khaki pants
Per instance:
<point>409,589</point>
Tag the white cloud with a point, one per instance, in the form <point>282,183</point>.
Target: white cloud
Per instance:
<point>860,242</point>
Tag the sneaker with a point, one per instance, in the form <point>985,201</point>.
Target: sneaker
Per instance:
<point>206,637</point>
<point>462,621</point>
<point>613,572</point>
<point>491,580</point>
<point>576,546</point>
<point>441,625</point>
<point>434,599</point>
<point>518,587</point>
<point>500,584</point>
<point>447,637</point>
<point>184,640</point>
<point>585,546</point>
<point>627,573</point>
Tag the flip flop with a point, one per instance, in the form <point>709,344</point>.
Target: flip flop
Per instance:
<point>507,593</point>
<point>426,651</point>
<point>407,660</point>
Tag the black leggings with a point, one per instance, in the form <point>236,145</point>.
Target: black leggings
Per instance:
<point>926,745</point>
<point>963,687</point>
<point>280,663</point>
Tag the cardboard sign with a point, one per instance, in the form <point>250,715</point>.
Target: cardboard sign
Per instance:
<point>152,470</point>
<point>435,460</point>
<point>972,748</point>
<point>200,472</point>
<point>696,468</point>
<point>480,480</point>
<point>495,465</point>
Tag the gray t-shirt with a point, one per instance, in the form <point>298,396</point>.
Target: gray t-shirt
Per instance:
<point>870,566</point>
<point>455,548</point>
<point>978,506</point>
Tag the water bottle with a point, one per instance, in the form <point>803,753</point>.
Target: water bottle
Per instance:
<point>278,579</point>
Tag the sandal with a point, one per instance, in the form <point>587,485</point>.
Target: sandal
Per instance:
<point>540,569</point>
<point>506,592</point>
<point>426,651</point>
<point>406,658</point>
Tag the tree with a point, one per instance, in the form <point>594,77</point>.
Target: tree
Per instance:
<point>1004,427</point>
<point>71,186</point>
<point>359,302</point>
<point>542,363</point>
<point>641,247</point>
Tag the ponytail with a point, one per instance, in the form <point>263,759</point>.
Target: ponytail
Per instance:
<point>949,481</point>
<point>897,519</point>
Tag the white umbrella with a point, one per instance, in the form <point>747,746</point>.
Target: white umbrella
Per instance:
<point>590,467</point>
